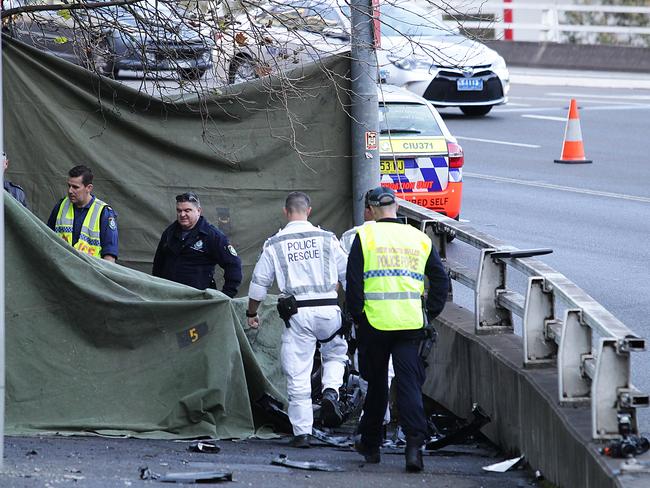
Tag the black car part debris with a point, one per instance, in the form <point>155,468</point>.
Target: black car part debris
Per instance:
<point>351,397</point>
<point>628,446</point>
<point>330,440</point>
<point>275,411</point>
<point>283,460</point>
<point>204,446</point>
<point>457,436</point>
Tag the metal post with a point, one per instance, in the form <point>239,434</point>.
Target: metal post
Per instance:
<point>364,109</point>
<point>2,281</point>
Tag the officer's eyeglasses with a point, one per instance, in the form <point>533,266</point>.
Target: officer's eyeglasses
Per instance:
<point>187,197</point>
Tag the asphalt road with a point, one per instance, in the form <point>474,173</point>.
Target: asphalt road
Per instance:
<point>596,217</point>
<point>98,462</point>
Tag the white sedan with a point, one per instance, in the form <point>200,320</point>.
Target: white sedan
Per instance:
<point>417,52</point>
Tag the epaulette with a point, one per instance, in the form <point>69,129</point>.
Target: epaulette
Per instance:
<point>15,186</point>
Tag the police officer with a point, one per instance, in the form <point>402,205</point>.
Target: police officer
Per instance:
<point>14,190</point>
<point>190,248</point>
<point>307,263</point>
<point>385,281</point>
<point>83,221</point>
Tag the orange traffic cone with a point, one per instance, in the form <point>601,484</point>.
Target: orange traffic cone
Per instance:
<point>572,149</point>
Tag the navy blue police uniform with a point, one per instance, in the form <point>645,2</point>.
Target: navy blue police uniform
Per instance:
<point>376,346</point>
<point>17,192</point>
<point>108,236</point>
<point>189,257</point>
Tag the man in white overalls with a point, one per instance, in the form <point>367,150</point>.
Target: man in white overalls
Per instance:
<point>308,263</point>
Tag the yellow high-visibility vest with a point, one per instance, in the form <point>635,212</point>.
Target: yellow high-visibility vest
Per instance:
<point>394,259</point>
<point>89,239</point>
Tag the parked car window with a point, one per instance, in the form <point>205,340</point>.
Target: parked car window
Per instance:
<point>299,16</point>
<point>405,21</point>
<point>407,118</point>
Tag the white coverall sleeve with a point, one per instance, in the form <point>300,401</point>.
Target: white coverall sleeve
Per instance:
<point>263,276</point>
<point>341,258</point>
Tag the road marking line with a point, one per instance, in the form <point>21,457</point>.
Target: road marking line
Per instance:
<point>544,117</point>
<point>564,100</point>
<point>620,196</point>
<point>555,109</point>
<point>608,97</point>
<point>492,141</point>
<point>515,104</point>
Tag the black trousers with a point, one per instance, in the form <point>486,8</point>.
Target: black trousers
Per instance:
<point>375,348</point>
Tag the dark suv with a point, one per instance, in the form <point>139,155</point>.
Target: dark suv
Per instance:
<point>143,36</point>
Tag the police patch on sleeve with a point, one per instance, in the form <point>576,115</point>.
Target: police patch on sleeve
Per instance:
<point>231,250</point>
<point>111,223</point>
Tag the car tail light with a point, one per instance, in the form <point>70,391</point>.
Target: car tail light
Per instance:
<point>456,156</point>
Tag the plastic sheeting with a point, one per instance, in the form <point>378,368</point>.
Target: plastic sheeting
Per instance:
<point>96,347</point>
<point>242,151</point>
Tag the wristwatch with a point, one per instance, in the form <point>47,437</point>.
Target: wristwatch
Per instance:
<point>250,315</point>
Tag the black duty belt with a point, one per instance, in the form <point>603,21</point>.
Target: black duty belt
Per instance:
<point>317,302</point>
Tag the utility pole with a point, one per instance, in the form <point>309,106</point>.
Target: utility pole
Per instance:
<point>364,109</point>
<point>2,278</point>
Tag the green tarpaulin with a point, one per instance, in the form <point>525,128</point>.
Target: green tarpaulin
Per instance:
<point>96,347</point>
<point>241,152</point>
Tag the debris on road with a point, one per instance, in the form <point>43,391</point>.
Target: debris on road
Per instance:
<point>503,466</point>
<point>330,440</point>
<point>283,460</point>
<point>480,418</point>
<point>202,477</point>
<point>203,446</point>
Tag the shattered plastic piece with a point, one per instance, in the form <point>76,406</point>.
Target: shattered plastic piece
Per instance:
<point>336,441</point>
<point>275,410</point>
<point>147,474</point>
<point>455,437</point>
<point>283,460</point>
<point>197,477</point>
<point>503,466</point>
<point>202,446</point>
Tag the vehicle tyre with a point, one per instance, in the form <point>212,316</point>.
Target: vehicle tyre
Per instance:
<point>242,68</point>
<point>476,110</point>
<point>191,74</point>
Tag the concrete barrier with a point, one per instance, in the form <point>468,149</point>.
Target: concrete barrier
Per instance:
<point>573,56</point>
<point>526,415</point>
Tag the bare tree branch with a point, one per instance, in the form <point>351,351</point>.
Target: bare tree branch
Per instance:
<point>65,6</point>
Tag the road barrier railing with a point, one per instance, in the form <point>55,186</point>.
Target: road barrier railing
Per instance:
<point>551,19</point>
<point>562,326</point>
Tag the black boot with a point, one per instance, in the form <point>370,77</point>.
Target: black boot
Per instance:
<point>413,454</point>
<point>371,455</point>
<point>300,441</point>
<point>330,412</point>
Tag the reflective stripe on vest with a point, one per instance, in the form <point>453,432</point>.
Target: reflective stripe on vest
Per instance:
<point>394,258</point>
<point>303,288</point>
<point>89,239</point>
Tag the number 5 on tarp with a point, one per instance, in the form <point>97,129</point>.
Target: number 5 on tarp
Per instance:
<point>191,335</point>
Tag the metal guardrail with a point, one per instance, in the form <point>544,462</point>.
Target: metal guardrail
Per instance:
<point>549,22</point>
<point>589,346</point>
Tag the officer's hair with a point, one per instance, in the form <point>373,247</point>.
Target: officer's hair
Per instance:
<point>84,171</point>
<point>297,201</point>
